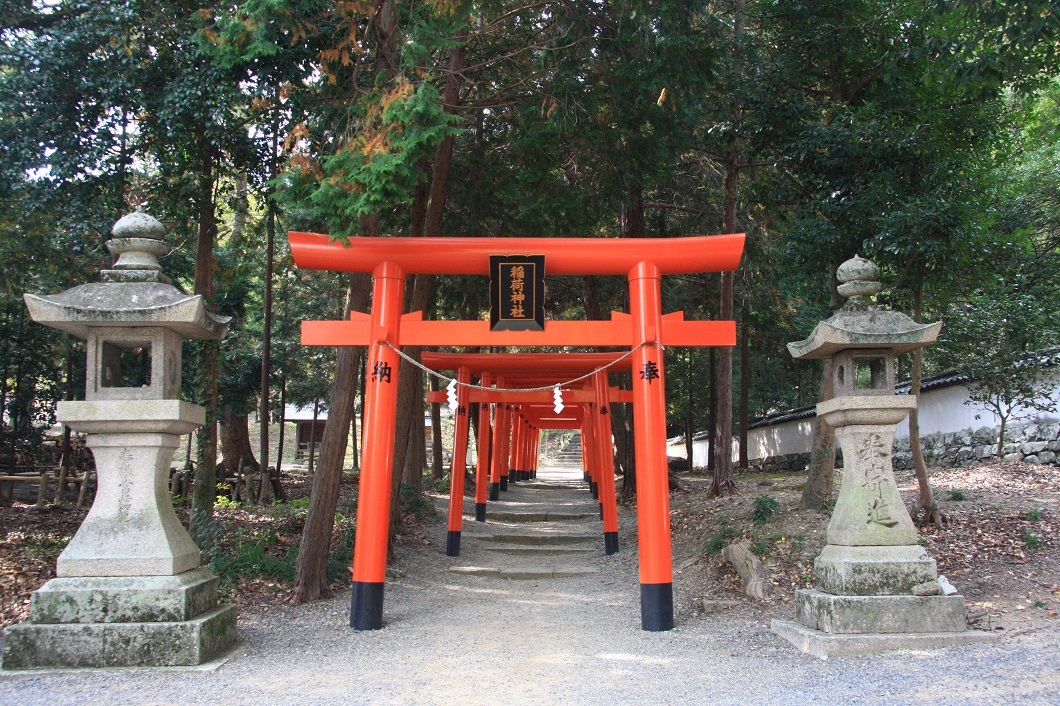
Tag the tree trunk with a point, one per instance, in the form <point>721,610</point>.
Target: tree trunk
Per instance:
<point>750,567</point>
<point>204,490</point>
<point>310,578</point>
<point>409,402</point>
<point>817,492</point>
<point>723,482</point>
<point>690,431</point>
<point>235,443</point>
<point>712,409</point>
<point>416,458</point>
<point>67,447</point>
<point>927,510</point>
<point>410,385</point>
<point>313,436</point>
<point>266,336</point>
<point>631,219</point>
<point>283,424</point>
<point>745,384</point>
<point>437,454</point>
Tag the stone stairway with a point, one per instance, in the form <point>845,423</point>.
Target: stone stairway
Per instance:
<point>570,456</point>
<point>541,529</point>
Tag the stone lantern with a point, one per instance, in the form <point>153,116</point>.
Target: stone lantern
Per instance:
<point>130,590</point>
<point>876,588</point>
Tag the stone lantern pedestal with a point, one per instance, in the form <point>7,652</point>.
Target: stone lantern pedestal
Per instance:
<point>130,590</point>
<point>876,587</point>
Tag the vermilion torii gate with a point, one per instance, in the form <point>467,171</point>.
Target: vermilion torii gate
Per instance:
<point>522,413</point>
<point>643,261</point>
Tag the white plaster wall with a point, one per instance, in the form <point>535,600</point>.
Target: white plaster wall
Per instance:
<point>941,411</point>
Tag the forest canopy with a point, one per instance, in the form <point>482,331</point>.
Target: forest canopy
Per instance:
<point>922,134</point>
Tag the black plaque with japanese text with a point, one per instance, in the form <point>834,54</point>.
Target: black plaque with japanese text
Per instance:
<point>517,292</point>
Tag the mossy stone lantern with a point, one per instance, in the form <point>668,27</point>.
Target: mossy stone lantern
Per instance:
<point>876,586</point>
<point>130,589</point>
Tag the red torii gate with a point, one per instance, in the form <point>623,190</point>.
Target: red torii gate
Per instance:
<point>645,329</point>
<point>532,370</point>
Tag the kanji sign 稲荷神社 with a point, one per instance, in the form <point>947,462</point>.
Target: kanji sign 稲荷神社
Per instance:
<point>517,287</point>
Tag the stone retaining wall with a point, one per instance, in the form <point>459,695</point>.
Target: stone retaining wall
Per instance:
<point>1030,443</point>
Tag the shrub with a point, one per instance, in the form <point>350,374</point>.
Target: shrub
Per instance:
<point>415,503</point>
<point>764,509</point>
<point>957,495</point>
<point>1031,540</point>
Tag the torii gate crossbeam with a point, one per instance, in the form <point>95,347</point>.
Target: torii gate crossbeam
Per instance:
<point>644,330</point>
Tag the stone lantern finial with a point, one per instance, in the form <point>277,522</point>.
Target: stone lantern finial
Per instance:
<point>137,243</point>
<point>859,279</point>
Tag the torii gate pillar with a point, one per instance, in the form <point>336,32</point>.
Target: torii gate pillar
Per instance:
<point>373,499</point>
<point>649,419</point>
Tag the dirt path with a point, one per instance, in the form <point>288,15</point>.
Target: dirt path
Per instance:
<point>556,621</point>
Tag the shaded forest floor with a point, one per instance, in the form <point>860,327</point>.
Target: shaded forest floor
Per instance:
<point>999,547</point>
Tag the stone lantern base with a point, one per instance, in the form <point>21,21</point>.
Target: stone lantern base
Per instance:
<point>130,591</point>
<point>864,603</point>
<point>868,574</point>
<point>126,621</point>
<point>824,644</point>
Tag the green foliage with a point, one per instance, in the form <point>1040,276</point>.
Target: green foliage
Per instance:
<point>1031,540</point>
<point>1034,514</point>
<point>254,557</point>
<point>764,509</point>
<point>378,168</point>
<point>957,495</point>
<point>763,546</point>
<point>415,503</point>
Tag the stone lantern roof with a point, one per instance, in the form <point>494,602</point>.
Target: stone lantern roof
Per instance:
<point>133,293</point>
<point>858,324</point>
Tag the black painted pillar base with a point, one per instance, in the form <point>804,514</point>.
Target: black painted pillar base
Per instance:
<point>585,476</point>
<point>452,544</point>
<point>504,483</point>
<point>480,512</point>
<point>656,606</point>
<point>594,490</point>
<point>494,491</point>
<point>366,606</point>
<point>601,511</point>
<point>610,543</point>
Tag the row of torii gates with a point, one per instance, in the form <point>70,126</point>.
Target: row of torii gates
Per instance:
<point>517,386</point>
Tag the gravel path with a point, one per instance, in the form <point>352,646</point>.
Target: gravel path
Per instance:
<point>468,639</point>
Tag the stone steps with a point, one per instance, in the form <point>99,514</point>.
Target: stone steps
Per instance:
<point>539,550</point>
<point>543,529</point>
<point>520,516</point>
